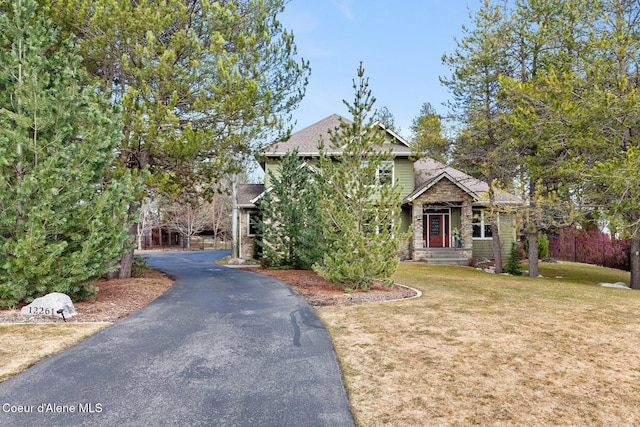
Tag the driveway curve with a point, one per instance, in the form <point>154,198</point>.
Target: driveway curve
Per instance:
<point>222,347</point>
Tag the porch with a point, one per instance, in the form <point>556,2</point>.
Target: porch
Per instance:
<point>442,233</point>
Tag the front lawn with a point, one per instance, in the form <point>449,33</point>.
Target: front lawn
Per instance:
<point>481,349</point>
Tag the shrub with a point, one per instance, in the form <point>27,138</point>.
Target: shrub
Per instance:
<point>513,265</point>
<point>543,246</point>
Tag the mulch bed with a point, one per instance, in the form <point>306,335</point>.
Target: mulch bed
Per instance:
<point>318,291</point>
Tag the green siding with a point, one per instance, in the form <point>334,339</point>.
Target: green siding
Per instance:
<point>403,175</point>
<point>456,219</point>
<point>482,247</point>
<point>405,220</point>
<point>271,166</point>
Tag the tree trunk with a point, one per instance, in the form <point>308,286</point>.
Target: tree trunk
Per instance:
<point>634,262</point>
<point>496,246</point>
<point>532,235</point>
<point>126,262</point>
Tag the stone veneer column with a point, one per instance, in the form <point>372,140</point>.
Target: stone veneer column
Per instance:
<point>466,219</point>
<point>416,219</point>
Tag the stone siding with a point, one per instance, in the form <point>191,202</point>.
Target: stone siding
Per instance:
<point>444,193</point>
<point>247,243</point>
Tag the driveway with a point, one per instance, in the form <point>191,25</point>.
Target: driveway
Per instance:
<point>223,347</point>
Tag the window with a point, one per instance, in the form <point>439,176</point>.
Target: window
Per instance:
<point>253,223</point>
<point>384,173</point>
<point>481,229</point>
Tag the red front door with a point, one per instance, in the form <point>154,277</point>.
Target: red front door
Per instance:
<point>437,230</point>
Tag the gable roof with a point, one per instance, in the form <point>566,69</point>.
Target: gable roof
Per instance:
<point>428,172</point>
<point>307,140</point>
<point>247,193</point>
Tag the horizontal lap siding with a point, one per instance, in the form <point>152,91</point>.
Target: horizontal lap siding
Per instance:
<point>404,176</point>
<point>482,247</point>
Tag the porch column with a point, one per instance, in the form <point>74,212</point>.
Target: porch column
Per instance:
<point>416,219</point>
<point>466,231</point>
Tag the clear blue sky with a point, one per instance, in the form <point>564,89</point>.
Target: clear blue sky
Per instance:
<point>400,43</point>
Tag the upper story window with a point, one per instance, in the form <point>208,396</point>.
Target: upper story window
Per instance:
<point>481,225</point>
<point>384,173</point>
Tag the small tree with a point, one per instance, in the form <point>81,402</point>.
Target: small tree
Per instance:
<point>188,219</point>
<point>513,264</point>
<point>360,204</point>
<point>290,223</point>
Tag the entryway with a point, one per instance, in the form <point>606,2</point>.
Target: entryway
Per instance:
<point>437,228</point>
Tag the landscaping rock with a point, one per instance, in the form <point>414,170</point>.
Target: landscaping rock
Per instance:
<point>618,285</point>
<point>483,263</point>
<point>49,305</point>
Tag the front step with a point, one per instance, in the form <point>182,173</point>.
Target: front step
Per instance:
<point>446,261</point>
<point>444,256</point>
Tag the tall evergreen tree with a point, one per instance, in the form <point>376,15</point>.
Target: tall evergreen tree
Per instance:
<point>477,65</point>
<point>428,137</point>
<point>200,81</point>
<point>546,39</point>
<point>609,111</point>
<point>290,223</point>
<point>360,204</point>
<point>63,207</point>
<point>386,118</point>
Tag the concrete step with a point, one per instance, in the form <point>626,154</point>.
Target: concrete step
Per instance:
<point>446,261</point>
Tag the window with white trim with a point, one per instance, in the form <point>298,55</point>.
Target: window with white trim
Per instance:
<point>481,225</point>
<point>384,172</point>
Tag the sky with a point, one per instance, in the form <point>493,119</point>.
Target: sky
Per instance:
<point>399,42</point>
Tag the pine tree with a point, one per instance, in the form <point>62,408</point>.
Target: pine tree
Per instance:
<point>513,265</point>
<point>290,224</point>
<point>63,207</point>
<point>201,83</point>
<point>360,204</point>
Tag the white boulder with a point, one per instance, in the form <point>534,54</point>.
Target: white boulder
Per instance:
<point>50,305</point>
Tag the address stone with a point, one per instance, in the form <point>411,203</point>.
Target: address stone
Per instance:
<point>49,305</point>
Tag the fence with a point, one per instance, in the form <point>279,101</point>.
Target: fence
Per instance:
<point>598,250</point>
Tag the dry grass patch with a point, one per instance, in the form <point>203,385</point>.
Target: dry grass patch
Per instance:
<point>22,345</point>
<point>493,350</point>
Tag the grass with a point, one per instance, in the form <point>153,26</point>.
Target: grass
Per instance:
<point>481,349</point>
<point>475,349</point>
<point>23,345</point>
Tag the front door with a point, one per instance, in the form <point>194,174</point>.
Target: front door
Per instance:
<point>437,228</point>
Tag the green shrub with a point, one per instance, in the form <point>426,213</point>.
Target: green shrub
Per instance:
<point>513,266</point>
<point>139,266</point>
<point>543,246</point>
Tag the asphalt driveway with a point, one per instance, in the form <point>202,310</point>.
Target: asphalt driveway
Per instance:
<point>223,347</point>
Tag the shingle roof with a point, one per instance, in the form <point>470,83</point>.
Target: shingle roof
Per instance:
<point>428,171</point>
<point>307,140</point>
<point>248,192</point>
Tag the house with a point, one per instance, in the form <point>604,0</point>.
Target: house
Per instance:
<point>443,207</point>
